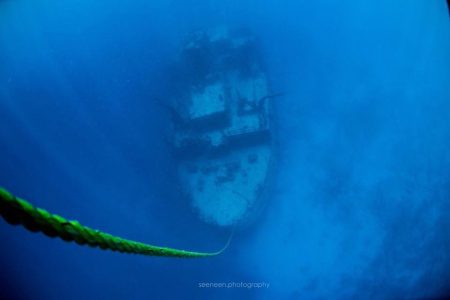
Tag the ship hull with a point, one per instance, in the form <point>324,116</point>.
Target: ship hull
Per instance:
<point>223,141</point>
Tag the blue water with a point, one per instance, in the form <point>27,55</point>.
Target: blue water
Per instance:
<point>360,206</point>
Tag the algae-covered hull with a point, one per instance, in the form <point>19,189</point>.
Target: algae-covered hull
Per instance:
<point>222,134</point>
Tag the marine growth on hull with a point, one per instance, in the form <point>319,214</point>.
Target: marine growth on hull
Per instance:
<point>222,125</point>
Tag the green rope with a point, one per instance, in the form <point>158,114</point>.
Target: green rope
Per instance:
<point>18,211</point>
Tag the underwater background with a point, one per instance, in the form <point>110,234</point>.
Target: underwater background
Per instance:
<point>360,206</point>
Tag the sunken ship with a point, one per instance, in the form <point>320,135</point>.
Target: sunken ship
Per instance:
<point>222,134</point>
